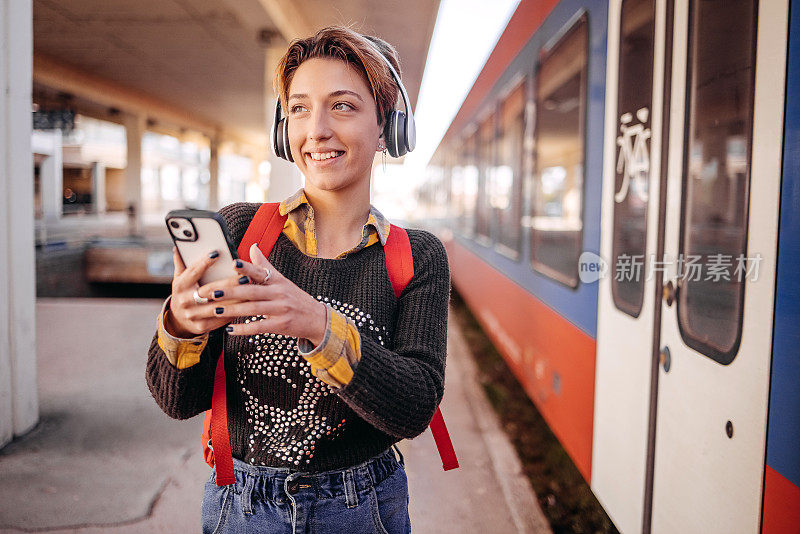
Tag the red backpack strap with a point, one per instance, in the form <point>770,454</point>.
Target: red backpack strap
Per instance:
<point>223,459</point>
<point>400,266</point>
<point>264,229</point>
<point>399,261</point>
<point>443,442</point>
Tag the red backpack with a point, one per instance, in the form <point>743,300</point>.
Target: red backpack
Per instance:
<point>265,228</point>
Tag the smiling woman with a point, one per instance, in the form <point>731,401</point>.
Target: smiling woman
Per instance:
<point>334,353</point>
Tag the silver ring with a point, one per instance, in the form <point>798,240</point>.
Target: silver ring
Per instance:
<point>266,278</point>
<point>198,299</point>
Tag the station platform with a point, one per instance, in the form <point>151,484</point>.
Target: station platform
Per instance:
<point>105,458</point>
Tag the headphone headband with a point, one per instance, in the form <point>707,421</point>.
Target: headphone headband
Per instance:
<point>400,132</point>
<point>411,130</point>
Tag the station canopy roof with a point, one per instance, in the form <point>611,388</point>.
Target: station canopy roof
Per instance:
<point>208,58</point>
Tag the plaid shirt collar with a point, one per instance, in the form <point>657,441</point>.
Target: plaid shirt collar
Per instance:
<point>298,201</point>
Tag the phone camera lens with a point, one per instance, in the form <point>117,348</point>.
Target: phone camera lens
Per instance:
<point>187,233</point>
<point>174,224</point>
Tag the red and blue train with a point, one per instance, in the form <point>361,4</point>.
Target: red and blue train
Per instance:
<point>619,195</point>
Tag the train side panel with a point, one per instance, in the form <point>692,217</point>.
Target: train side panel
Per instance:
<point>552,359</point>
<point>782,478</point>
<point>544,328</point>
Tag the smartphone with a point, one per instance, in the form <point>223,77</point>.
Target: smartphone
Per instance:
<point>196,233</point>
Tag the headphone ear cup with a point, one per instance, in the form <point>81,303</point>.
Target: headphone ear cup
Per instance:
<point>394,133</point>
<point>282,149</point>
<point>278,145</point>
<point>388,130</point>
<point>400,133</point>
<point>286,148</point>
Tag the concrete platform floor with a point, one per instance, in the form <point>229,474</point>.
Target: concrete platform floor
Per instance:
<point>104,458</point>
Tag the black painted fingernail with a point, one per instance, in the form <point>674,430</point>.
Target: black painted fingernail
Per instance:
<point>219,311</point>
<point>214,254</point>
<point>219,293</point>
<point>229,329</point>
<point>244,280</point>
<point>239,264</point>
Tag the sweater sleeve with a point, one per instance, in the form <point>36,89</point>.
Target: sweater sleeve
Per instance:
<point>398,391</point>
<point>184,393</point>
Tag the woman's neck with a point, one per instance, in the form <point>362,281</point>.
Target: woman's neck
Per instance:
<point>339,217</point>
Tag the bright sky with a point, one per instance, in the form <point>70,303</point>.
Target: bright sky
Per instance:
<point>464,36</point>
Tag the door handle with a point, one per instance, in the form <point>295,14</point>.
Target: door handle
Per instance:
<point>665,359</point>
<point>669,293</point>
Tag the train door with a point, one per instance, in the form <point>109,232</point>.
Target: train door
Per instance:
<point>722,195</point>
<point>627,297</point>
<point>689,233</point>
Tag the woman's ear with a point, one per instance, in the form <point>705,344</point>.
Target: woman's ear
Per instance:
<point>381,144</point>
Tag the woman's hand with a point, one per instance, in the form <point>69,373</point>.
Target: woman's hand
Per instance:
<point>186,318</point>
<point>287,309</point>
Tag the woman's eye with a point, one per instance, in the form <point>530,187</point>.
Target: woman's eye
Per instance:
<point>296,109</point>
<point>342,106</point>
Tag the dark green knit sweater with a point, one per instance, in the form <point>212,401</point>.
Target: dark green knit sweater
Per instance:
<point>279,414</point>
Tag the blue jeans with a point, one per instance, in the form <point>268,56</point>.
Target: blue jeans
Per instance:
<point>368,498</point>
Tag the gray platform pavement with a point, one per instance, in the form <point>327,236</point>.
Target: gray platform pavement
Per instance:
<point>104,458</point>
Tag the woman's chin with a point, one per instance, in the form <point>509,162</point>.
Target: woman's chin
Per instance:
<point>329,183</point>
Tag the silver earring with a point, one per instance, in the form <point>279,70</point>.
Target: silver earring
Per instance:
<point>383,157</point>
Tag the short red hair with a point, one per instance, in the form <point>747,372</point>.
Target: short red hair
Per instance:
<point>358,51</point>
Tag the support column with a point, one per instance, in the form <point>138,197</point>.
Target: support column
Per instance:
<point>284,176</point>
<point>181,186</point>
<point>159,187</point>
<point>51,174</point>
<point>256,183</point>
<point>134,130</point>
<point>19,404</point>
<point>99,187</point>
<point>213,174</point>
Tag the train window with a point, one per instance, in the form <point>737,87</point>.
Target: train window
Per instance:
<point>506,185</point>
<point>465,186</point>
<point>634,106</point>
<point>557,201</point>
<point>716,175</point>
<point>448,185</point>
<point>485,151</point>
<point>464,178</point>
<point>435,190</point>
<point>441,196</point>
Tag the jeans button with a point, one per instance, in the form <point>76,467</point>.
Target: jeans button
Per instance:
<point>294,487</point>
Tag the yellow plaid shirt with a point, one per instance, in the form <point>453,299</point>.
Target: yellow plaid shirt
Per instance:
<point>335,358</point>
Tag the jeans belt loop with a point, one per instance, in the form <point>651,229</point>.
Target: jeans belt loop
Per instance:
<point>350,493</point>
<point>365,473</point>
<point>401,460</point>
<point>247,492</point>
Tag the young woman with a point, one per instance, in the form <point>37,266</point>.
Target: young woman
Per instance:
<point>326,368</point>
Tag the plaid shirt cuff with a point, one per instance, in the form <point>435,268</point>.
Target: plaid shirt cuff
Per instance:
<point>334,360</point>
<point>181,352</point>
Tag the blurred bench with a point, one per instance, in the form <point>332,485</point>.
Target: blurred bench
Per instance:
<point>128,262</point>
